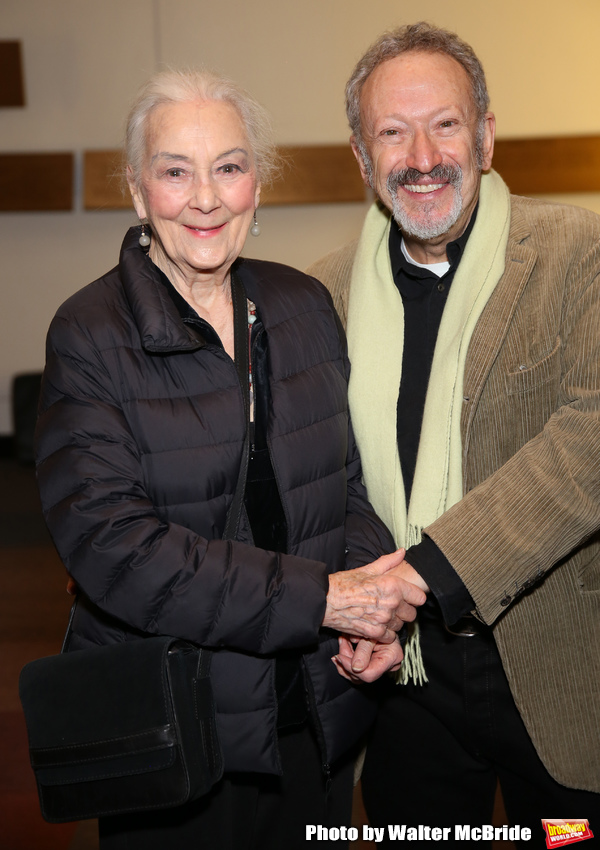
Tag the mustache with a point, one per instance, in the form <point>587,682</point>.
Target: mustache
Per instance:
<point>439,174</point>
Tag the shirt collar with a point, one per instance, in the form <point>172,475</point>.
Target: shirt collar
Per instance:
<point>454,251</point>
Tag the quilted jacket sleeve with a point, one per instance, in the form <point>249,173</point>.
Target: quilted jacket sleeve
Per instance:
<point>157,577</point>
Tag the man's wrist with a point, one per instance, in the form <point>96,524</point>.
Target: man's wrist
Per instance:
<point>444,582</point>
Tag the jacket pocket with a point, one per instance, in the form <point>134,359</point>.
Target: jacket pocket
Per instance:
<point>532,395</point>
<point>529,378</point>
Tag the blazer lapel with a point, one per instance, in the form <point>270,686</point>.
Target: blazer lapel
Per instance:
<point>493,325</point>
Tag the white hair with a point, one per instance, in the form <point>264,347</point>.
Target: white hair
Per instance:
<point>181,86</point>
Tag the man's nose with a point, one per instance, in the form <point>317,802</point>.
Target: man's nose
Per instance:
<point>424,153</point>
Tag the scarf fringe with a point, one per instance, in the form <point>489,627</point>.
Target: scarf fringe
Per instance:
<point>413,669</point>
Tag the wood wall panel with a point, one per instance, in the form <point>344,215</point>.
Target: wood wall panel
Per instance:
<point>549,166</point>
<point>12,88</point>
<point>102,181</point>
<point>36,182</point>
<point>313,174</point>
<point>319,174</point>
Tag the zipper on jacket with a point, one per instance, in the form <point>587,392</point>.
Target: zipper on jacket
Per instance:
<point>314,719</point>
<point>252,379</point>
<point>313,715</point>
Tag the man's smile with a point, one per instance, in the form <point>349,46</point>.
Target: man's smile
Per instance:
<point>423,188</point>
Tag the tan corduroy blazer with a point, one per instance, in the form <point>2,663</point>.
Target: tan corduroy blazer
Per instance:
<point>525,537</point>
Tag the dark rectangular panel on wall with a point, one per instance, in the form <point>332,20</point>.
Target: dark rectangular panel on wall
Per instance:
<point>549,165</point>
<point>12,89</point>
<point>321,174</point>
<point>317,174</point>
<point>36,182</point>
<point>102,181</point>
<point>313,174</point>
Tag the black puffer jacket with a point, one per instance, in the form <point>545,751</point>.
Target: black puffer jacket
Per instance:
<point>139,444</point>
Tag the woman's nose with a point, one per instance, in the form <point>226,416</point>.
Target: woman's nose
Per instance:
<point>204,195</point>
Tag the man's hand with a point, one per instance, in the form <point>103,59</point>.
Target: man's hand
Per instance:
<point>366,660</point>
<point>373,601</point>
<point>408,573</point>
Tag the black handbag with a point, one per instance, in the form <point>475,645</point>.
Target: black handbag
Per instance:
<point>128,727</point>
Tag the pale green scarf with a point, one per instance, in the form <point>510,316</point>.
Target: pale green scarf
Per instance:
<point>375,343</point>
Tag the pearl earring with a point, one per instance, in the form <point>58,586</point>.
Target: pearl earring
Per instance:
<point>144,239</point>
<point>255,229</point>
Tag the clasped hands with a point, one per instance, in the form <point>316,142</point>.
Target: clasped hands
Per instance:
<point>368,606</point>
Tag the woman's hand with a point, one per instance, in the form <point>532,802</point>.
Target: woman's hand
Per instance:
<point>367,660</point>
<point>373,601</point>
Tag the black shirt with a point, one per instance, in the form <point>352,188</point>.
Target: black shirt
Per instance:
<point>424,297</point>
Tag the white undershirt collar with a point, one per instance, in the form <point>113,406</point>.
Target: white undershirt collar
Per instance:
<point>438,269</point>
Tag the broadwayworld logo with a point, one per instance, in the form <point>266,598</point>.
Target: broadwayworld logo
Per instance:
<point>561,831</point>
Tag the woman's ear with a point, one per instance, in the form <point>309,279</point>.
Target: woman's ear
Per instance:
<point>136,196</point>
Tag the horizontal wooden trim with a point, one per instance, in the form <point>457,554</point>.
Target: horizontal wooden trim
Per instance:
<point>326,174</point>
<point>549,166</point>
<point>102,181</point>
<point>36,182</point>
<point>12,88</point>
<point>317,174</point>
<point>312,174</point>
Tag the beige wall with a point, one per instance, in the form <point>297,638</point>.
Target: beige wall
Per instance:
<point>85,59</point>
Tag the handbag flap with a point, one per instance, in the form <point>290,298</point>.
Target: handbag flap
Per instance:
<point>121,728</point>
<point>115,685</point>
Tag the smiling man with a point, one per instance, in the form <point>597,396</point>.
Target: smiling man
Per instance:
<point>473,323</point>
<point>423,147</point>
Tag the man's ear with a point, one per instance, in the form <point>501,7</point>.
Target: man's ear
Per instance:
<point>364,172</point>
<point>489,135</point>
<point>136,197</point>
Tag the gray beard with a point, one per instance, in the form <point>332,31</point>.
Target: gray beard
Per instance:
<point>429,225</point>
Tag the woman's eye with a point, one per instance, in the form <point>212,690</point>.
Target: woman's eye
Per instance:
<point>175,172</point>
<point>230,168</point>
<point>445,124</point>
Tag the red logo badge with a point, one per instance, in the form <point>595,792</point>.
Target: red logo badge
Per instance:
<point>561,831</point>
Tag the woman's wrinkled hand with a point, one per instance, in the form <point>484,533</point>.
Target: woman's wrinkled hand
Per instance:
<point>373,601</point>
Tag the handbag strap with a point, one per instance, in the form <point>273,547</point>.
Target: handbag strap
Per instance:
<point>67,637</point>
<point>241,350</point>
<point>242,364</point>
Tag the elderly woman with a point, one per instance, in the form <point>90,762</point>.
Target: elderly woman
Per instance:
<point>143,439</point>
